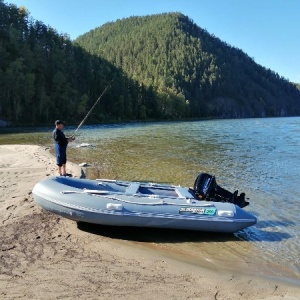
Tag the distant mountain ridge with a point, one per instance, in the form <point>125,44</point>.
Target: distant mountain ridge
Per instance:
<point>200,74</point>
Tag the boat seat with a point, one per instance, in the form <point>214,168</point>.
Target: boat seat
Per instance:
<point>183,193</point>
<point>133,188</point>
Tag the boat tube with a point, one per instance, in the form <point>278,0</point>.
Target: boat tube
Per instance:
<point>144,204</point>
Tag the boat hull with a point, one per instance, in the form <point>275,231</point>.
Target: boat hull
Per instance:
<point>112,206</point>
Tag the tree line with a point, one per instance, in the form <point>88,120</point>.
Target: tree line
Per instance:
<point>164,67</point>
<point>44,76</point>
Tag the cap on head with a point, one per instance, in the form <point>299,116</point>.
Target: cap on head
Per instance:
<point>57,122</point>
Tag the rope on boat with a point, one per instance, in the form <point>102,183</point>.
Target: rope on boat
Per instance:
<point>162,202</point>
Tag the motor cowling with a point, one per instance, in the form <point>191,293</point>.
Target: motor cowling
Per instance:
<point>204,185</point>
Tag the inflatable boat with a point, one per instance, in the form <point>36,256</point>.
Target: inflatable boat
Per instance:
<point>205,207</point>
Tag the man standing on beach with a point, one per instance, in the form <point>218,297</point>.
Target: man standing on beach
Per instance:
<point>60,145</point>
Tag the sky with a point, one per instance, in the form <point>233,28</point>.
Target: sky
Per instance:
<point>266,30</point>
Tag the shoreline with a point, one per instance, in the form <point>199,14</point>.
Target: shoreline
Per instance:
<point>44,256</point>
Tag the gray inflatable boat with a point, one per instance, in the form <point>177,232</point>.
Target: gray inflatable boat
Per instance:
<point>144,204</point>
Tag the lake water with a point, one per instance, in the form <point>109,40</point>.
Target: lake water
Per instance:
<point>257,156</point>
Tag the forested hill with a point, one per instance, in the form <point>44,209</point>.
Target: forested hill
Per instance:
<point>44,77</point>
<point>186,66</point>
<point>164,67</point>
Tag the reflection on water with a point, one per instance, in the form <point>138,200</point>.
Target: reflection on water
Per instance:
<point>257,156</point>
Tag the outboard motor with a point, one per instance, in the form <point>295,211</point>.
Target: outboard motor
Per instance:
<point>205,187</point>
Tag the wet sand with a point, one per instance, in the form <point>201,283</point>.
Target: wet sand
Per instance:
<point>44,256</point>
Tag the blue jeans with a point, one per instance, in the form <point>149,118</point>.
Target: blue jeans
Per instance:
<point>61,154</point>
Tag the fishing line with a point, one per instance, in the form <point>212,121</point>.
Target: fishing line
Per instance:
<point>90,111</point>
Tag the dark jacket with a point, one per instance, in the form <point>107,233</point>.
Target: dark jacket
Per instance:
<point>59,137</point>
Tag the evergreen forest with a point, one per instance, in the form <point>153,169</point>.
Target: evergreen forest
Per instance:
<point>163,67</point>
<point>175,57</point>
<point>44,77</point>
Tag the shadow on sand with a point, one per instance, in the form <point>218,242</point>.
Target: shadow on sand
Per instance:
<point>154,235</point>
<point>159,235</point>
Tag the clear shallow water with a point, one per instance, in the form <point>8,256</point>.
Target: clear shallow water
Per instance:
<point>257,156</point>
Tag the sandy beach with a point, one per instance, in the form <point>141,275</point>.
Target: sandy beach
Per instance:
<point>44,256</point>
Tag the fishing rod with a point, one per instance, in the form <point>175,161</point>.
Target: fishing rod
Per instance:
<point>90,111</point>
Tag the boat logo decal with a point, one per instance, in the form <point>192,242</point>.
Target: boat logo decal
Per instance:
<point>198,210</point>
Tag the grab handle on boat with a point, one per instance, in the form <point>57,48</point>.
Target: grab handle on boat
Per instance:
<point>96,192</point>
<point>114,206</point>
